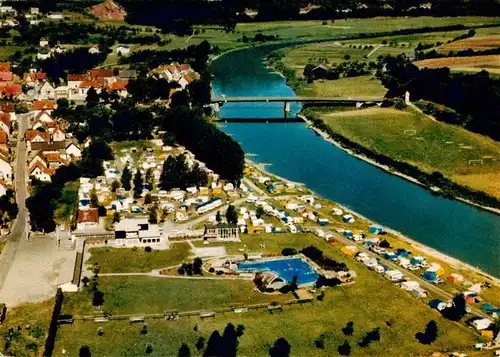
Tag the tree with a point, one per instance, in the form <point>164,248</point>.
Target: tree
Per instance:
<point>373,335</point>
<point>385,244</point>
<point>116,217</point>
<point>231,215</point>
<point>200,343</point>
<point>150,179</point>
<point>98,298</point>
<point>148,199</point>
<point>293,284</point>
<point>84,351</point>
<point>149,348</point>
<point>281,348</point>
<point>348,330</point>
<point>125,179</point>
<point>429,335</point>
<point>92,97</point>
<point>229,343</point>
<point>260,212</point>
<point>218,217</point>
<point>137,184</point>
<point>197,264</point>
<point>184,351</point>
<point>85,281</point>
<point>344,349</point>
<point>213,345</point>
<point>153,214</point>
<point>457,310</point>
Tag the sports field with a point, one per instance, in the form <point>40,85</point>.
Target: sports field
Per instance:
<point>465,157</point>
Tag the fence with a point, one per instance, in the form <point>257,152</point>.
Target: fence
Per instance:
<point>175,314</point>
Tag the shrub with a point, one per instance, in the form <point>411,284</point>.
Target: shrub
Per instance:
<point>288,251</point>
<point>148,249</point>
<point>211,270</point>
<point>220,272</point>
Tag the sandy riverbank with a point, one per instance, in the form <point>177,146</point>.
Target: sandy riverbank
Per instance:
<point>428,251</point>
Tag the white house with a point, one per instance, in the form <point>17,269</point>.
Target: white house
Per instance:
<point>43,55</point>
<point>40,173</point>
<point>123,50</point>
<point>5,170</point>
<point>138,232</point>
<point>58,135</point>
<point>46,91</point>
<point>44,42</point>
<point>94,50</point>
<point>55,16</point>
<point>73,151</point>
<point>44,117</point>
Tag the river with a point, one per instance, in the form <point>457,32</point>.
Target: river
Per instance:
<point>297,153</point>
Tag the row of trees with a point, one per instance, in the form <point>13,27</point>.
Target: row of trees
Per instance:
<point>475,97</point>
<point>317,255</point>
<point>8,207</point>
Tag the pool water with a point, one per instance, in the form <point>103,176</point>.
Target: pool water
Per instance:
<point>285,268</point>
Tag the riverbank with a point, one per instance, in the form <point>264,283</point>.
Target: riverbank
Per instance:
<point>424,249</point>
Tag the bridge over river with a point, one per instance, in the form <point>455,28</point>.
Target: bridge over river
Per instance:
<point>320,101</point>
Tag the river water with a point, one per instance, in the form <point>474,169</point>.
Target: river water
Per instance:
<point>297,153</point>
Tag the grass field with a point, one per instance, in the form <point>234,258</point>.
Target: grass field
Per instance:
<point>365,86</point>
<point>434,147</point>
<point>490,63</point>
<point>131,260</point>
<point>371,302</point>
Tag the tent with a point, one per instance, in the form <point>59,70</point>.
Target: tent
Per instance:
<point>487,307</point>
<point>429,275</point>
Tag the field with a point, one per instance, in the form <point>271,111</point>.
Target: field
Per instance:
<point>370,303</point>
<point>474,43</point>
<point>432,146</point>
<point>130,260</point>
<point>490,63</point>
<point>365,86</point>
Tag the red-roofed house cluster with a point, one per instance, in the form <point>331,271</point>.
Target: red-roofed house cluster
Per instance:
<point>9,83</point>
<point>183,74</point>
<point>48,144</point>
<point>7,116</point>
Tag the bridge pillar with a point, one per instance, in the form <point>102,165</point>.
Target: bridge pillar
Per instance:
<point>286,109</point>
<point>216,109</point>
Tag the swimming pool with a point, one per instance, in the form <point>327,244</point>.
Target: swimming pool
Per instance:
<point>285,268</point>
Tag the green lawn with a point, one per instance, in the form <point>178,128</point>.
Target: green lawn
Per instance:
<point>365,86</point>
<point>371,302</point>
<point>66,205</point>
<point>435,146</point>
<point>6,51</point>
<point>132,260</point>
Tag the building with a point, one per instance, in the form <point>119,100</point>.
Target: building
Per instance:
<point>41,172</point>
<point>44,42</point>
<point>5,123</point>
<point>123,50</point>
<point>73,151</point>
<point>43,105</point>
<point>45,91</point>
<point>209,205</point>
<point>88,218</point>
<point>221,232</point>
<point>94,50</point>
<point>138,232</point>
<point>56,16</point>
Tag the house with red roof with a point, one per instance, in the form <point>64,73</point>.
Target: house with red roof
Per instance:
<point>31,79</point>
<point>4,66</point>
<point>44,105</point>
<point>4,140</point>
<point>6,76</point>
<point>119,86</point>
<point>41,172</point>
<point>5,123</point>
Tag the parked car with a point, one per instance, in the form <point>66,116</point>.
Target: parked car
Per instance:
<point>438,281</point>
<point>413,267</point>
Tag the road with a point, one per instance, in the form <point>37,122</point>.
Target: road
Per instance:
<point>19,228</point>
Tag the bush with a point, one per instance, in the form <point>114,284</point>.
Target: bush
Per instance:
<point>211,270</point>
<point>148,249</point>
<point>220,272</point>
<point>288,251</point>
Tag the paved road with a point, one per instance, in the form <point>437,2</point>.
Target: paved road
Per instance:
<point>20,225</point>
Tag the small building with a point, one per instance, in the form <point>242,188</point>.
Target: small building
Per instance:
<point>394,275</point>
<point>44,42</point>
<point>94,50</point>
<point>221,232</point>
<point>88,218</point>
<point>320,71</point>
<point>481,324</point>
<point>138,232</point>
<point>73,151</point>
<point>123,50</point>
<point>56,16</point>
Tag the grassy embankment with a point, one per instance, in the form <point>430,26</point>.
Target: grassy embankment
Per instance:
<point>432,146</point>
<point>371,302</point>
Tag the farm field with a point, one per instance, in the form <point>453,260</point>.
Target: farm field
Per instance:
<point>490,63</point>
<point>476,43</point>
<point>370,303</point>
<point>130,260</point>
<point>433,146</point>
<point>365,86</point>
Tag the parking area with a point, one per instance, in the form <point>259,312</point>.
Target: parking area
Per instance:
<point>38,268</point>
